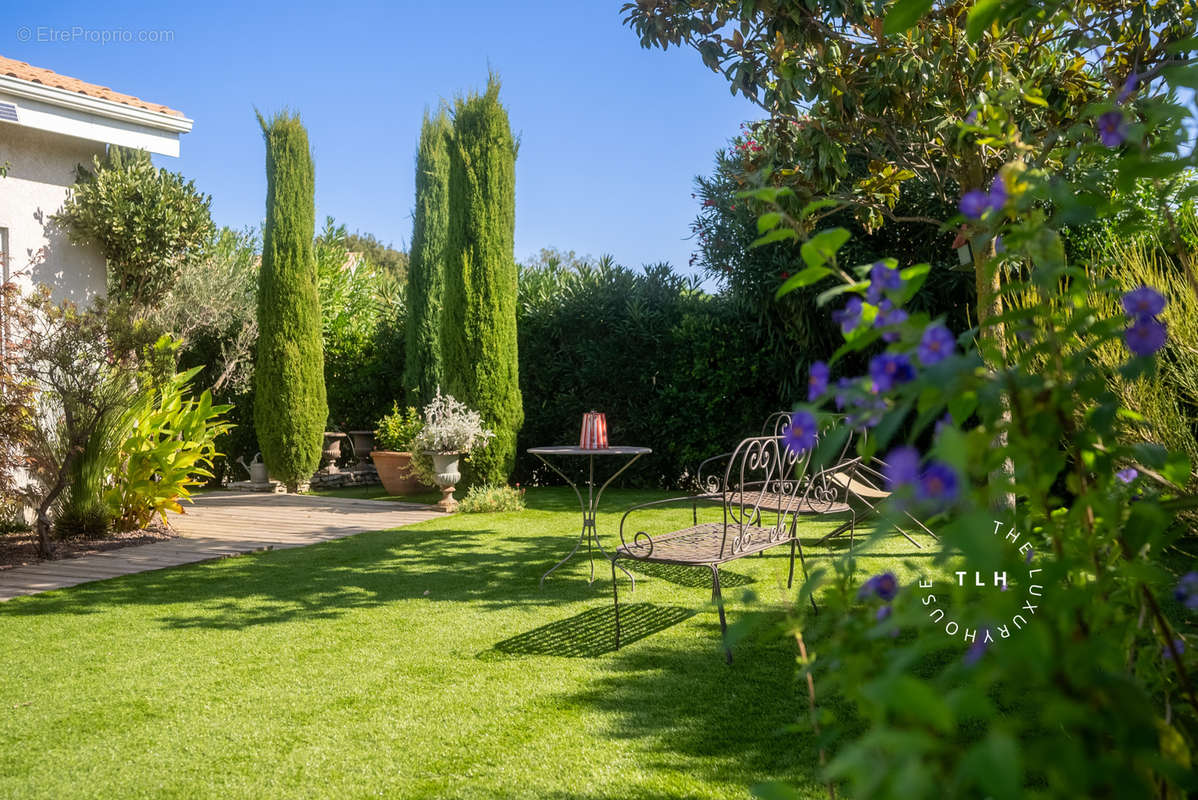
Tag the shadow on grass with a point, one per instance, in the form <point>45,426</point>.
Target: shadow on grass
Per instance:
<point>593,632</point>
<point>682,575</point>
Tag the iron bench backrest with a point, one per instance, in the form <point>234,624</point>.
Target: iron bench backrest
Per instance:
<point>760,467</point>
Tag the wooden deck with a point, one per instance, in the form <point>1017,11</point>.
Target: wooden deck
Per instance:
<point>222,524</point>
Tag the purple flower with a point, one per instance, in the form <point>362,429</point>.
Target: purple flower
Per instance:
<point>1027,559</point>
<point>817,380</point>
<point>944,422</point>
<point>884,585</point>
<point>974,203</point>
<point>888,317</point>
<point>1127,475</point>
<point>882,279</point>
<point>1112,128</point>
<point>999,247</point>
<point>971,118</point>
<point>1143,303</point>
<point>849,316</point>
<point>901,467</point>
<point>1145,336</point>
<point>1179,644</point>
<point>889,370</point>
<point>978,649</point>
<point>997,198</point>
<point>1186,591</point>
<point>867,412</point>
<point>799,436</point>
<point>883,613</point>
<point>1129,88</point>
<point>935,345</point>
<point>842,394</point>
<point>938,484</point>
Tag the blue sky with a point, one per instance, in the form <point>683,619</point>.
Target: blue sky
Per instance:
<point>612,135</point>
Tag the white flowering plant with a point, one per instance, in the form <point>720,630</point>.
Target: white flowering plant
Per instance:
<point>450,426</point>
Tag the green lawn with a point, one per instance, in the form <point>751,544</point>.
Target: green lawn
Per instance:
<point>420,662</point>
<point>377,492</point>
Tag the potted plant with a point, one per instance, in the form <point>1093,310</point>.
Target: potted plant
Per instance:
<point>451,430</point>
<point>393,458</point>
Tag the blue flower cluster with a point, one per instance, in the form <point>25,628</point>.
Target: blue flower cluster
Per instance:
<point>1146,334</point>
<point>935,485</point>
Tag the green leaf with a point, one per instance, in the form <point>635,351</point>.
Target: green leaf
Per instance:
<point>821,248</point>
<point>913,278</point>
<point>805,278</point>
<point>776,235</point>
<point>768,221</point>
<point>816,205</point>
<point>981,17</point>
<point>904,14</point>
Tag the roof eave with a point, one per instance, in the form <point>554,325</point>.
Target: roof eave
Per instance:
<point>95,105</point>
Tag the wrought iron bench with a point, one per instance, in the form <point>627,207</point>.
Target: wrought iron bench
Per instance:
<point>824,489</point>
<point>764,488</point>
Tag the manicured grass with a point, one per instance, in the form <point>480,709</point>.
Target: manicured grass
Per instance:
<point>421,662</point>
<point>378,493</point>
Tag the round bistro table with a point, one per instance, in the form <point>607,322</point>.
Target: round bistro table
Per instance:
<point>591,502</point>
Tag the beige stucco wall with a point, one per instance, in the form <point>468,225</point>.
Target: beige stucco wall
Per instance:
<point>41,171</point>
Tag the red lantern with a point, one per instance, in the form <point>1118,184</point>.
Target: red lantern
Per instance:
<point>594,431</point>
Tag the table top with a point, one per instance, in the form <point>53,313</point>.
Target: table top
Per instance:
<point>575,450</point>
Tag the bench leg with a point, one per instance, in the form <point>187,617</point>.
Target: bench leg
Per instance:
<point>794,542</point>
<point>615,596</point>
<point>719,602</point>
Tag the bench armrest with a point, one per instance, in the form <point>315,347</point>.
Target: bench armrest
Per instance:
<point>642,538</point>
<point>712,482</point>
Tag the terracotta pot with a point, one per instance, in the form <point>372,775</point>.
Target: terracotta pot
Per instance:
<point>392,467</point>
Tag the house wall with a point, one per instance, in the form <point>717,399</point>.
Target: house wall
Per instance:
<point>40,174</point>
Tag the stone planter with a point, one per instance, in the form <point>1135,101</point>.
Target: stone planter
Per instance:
<point>393,468</point>
<point>332,448</point>
<point>362,443</point>
<point>445,467</point>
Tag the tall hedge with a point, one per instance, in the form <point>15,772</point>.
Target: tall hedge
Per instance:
<point>290,407</point>
<point>478,321</point>
<point>426,263</point>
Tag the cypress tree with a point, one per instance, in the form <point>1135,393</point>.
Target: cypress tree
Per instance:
<point>426,265</point>
<point>478,320</point>
<point>290,407</point>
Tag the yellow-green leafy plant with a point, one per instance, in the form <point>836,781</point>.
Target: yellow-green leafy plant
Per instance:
<point>168,445</point>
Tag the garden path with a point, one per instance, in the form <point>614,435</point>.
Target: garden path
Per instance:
<point>222,524</point>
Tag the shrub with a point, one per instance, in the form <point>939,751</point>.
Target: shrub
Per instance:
<point>488,498</point>
<point>147,221</point>
<point>397,431</point>
<point>84,522</point>
<point>290,406</point>
<point>80,379</point>
<point>450,426</point>
<point>673,367</point>
<point>362,325</point>
<point>167,445</point>
<point>426,274</point>
<point>478,323</point>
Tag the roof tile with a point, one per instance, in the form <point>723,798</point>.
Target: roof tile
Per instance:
<point>27,72</point>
